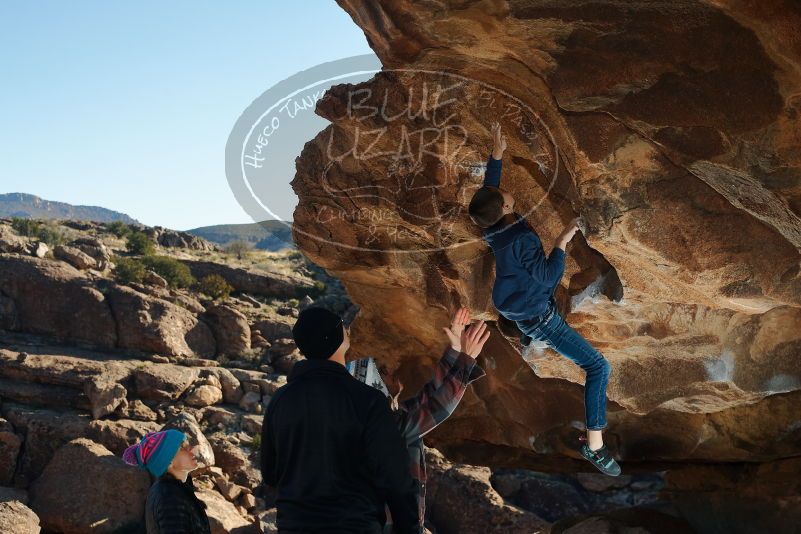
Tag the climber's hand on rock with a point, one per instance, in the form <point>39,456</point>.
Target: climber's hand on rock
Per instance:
<point>498,141</point>
<point>474,337</point>
<point>460,319</point>
<point>570,229</point>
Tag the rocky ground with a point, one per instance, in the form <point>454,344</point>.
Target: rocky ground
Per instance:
<point>89,364</point>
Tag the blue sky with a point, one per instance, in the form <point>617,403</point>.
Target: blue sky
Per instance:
<point>128,105</point>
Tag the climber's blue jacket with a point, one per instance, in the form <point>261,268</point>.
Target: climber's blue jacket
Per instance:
<point>524,277</point>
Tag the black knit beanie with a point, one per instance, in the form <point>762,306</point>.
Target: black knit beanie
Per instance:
<point>318,333</point>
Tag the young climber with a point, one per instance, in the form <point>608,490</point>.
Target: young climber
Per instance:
<point>523,292</point>
<point>330,445</point>
<point>171,504</point>
<point>420,414</point>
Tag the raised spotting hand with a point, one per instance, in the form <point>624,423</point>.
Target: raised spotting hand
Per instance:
<point>474,337</point>
<point>498,141</point>
<point>460,320</point>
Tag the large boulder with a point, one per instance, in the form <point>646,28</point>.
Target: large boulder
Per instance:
<point>8,313</point>
<point>45,431</point>
<point>87,488</point>
<point>38,249</point>
<point>626,521</point>
<point>163,381</point>
<point>153,279</point>
<point>94,248</point>
<point>253,281</point>
<point>230,327</point>
<point>16,518</point>
<point>117,435</point>
<point>231,387</point>
<point>11,242</point>
<point>282,347</point>
<point>274,329</point>
<point>177,239</point>
<point>138,411</point>
<point>66,380</point>
<point>669,127</point>
<point>106,396</point>
<point>218,416</point>
<point>235,462</point>
<point>204,395</point>
<point>251,401</point>
<point>268,521</point>
<point>270,385</point>
<point>460,498</point>
<point>10,444</point>
<point>557,496</point>
<point>224,517</point>
<point>47,294</point>
<point>42,395</point>
<point>75,257</point>
<point>147,323</point>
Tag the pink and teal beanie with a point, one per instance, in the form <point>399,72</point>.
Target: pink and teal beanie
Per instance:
<point>155,451</point>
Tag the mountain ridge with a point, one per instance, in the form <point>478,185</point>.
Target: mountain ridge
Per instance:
<point>272,235</point>
<point>34,207</point>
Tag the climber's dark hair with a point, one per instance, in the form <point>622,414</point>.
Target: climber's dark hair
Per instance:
<point>486,206</point>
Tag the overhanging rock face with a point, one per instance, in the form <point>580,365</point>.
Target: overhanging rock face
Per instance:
<point>672,128</point>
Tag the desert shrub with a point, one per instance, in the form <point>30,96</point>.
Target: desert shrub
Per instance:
<point>255,443</point>
<point>52,234</point>
<point>173,271</point>
<point>141,244</point>
<point>214,286</point>
<point>118,228</point>
<point>238,247</point>
<point>48,231</point>
<point>26,227</point>
<point>129,270</point>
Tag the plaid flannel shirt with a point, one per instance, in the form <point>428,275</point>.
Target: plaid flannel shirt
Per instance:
<point>437,400</point>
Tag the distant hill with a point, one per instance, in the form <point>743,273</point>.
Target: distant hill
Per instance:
<point>33,207</point>
<point>265,235</point>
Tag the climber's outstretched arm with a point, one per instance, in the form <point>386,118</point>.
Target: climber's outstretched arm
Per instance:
<point>492,176</point>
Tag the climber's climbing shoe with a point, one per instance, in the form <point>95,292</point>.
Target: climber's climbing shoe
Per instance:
<point>602,459</point>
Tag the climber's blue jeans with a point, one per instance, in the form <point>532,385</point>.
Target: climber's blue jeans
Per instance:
<point>558,335</point>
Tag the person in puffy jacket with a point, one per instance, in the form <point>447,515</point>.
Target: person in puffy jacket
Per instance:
<point>172,506</point>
